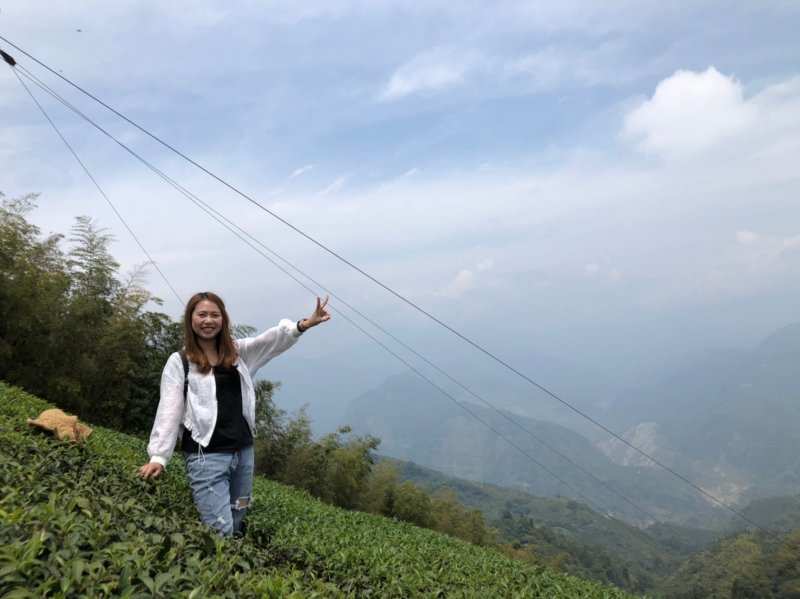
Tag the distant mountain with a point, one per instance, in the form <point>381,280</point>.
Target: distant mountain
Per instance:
<point>327,379</point>
<point>418,424</point>
<point>772,513</point>
<point>670,559</point>
<point>730,420</point>
<point>576,520</point>
<point>596,546</point>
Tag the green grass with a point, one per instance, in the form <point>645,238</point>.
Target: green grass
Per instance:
<point>76,521</point>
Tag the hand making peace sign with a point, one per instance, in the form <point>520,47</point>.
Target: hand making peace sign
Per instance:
<point>319,315</point>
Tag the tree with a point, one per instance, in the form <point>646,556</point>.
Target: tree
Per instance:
<point>336,468</point>
<point>34,283</point>
<point>454,519</point>
<point>785,568</point>
<point>413,505</point>
<point>380,490</point>
<point>70,331</point>
<point>91,265</point>
<point>347,466</point>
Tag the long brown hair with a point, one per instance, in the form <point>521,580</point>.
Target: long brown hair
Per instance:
<point>225,346</point>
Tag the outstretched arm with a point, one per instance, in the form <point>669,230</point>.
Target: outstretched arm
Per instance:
<point>257,351</point>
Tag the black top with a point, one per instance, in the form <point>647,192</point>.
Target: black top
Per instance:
<point>231,431</point>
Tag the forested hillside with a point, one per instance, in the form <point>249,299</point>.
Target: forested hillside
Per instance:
<point>570,535</point>
<point>663,560</point>
<point>764,565</point>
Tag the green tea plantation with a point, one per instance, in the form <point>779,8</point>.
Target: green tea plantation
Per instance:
<point>76,521</point>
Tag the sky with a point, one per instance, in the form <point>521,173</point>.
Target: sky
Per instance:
<point>611,186</point>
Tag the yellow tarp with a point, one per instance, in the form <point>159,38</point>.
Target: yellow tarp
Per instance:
<point>63,425</point>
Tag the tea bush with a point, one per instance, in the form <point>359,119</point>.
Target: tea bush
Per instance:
<point>76,521</point>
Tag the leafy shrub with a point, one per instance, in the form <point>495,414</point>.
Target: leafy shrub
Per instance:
<point>75,520</point>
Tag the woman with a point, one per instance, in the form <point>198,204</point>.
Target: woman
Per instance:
<point>215,411</point>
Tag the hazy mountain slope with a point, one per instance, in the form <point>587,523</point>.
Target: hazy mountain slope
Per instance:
<point>576,520</point>
<point>641,560</point>
<point>773,513</point>
<point>731,420</point>
<point>564,531</point>
<point>416,423</point>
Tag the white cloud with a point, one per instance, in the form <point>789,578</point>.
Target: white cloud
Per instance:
<point>299,171</point>
<point>690,112</point>
<point>430,71</point>
<point>335,186</point>
<point>550,209</point>
<point>463,282</point>
<point>484,265</point>
<point>791,243</point>
<point>591,269</point>
<point>496,73</point>
<point>546,67</point>
<point>552,66</point>
<point>746,237</point>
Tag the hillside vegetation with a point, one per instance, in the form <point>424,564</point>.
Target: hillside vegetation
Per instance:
<point>569,535</point>
<point>76,520</point>
<point>757,565</point>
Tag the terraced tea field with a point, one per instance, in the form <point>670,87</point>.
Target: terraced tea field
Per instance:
<point>77,521</point>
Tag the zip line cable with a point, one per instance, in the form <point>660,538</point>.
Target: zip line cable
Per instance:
<point>97,185</point>
<point>230,226</point>
<point>407,364</point>
<point>203,205</point>
<point>399,296</point>
<point>208,209</point>
<point>409,302</point>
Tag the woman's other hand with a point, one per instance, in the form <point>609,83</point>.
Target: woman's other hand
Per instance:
<point>151,470</point>
<point>319,315</point>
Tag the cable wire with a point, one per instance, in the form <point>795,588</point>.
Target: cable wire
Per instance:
<point>230,226</point>
<point>233,227</point>
<point>399,296</point>
<point>209,210</point>
<point>97,185</point>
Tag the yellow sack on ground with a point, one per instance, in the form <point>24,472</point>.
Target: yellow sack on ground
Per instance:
<point>63,425</point>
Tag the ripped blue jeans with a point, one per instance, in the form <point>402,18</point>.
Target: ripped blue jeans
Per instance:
<point>222,487</point>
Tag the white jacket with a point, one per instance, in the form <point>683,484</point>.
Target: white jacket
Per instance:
<point>199,415</point>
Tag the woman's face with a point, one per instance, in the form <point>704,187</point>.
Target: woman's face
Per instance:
<point>207,319</point>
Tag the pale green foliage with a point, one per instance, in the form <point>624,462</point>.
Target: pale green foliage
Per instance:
<point>453,518</point>
<point>92,267</point>
<point>748,565</point>
<point>380,491</point>
<point>413,505</point>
